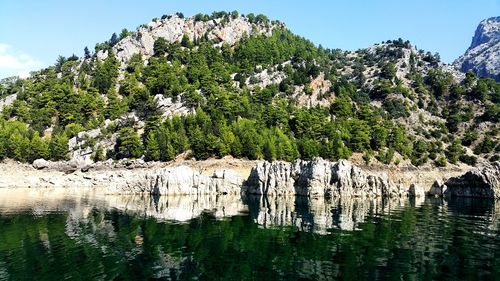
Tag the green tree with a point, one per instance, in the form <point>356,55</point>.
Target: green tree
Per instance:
<point>38,148</point>
<point>105,73</point>
<point>160,46</point>
<point>128,144</point>
<point>152,148</point>
<point>454,151</point>
<point>58,147</point>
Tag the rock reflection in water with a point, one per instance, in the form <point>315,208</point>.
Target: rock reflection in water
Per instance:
<point>307,214</point>
<point>175,208</point>
<point>50,234</point>
<point>319,214</point>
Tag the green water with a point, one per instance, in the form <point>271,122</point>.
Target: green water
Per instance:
<point>216,238</point>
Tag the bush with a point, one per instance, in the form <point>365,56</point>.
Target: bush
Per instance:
<point>441,161</point>
<point>469,159</point>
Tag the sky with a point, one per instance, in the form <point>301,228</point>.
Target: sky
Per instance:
<point>34,33</point>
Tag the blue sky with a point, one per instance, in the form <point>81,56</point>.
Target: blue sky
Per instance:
<point>33,33</point>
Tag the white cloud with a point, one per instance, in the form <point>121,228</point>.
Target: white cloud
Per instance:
<point>13,62</point>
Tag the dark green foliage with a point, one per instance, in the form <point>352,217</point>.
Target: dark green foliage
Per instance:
<point>396,108</point>
<point>105,73</point>
<point>58,147</point>
<point>485,146</point>
<point>455,151</point>
<point>128,144</point>
<point>98,154</point>
<point>152,148</point>
<point>160,46</point>
<point>468,159</point>
<point>250,121</point>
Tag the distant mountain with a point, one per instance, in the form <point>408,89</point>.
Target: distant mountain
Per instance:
<point>483,55</point>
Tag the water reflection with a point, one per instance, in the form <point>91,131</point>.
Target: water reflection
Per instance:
<point>50,235</point>
<point>318,215</point>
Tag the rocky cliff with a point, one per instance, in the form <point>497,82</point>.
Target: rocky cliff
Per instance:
<point>483,55</point>
<point>483,183</point>
<point>318,178</point>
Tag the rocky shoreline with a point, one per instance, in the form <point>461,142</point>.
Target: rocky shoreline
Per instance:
<point>316,178</point>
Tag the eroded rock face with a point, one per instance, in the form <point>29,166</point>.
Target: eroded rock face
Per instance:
<point>173,28</point>
<point>318,178</point>
<point>483,183</point>
<point>483,55</point>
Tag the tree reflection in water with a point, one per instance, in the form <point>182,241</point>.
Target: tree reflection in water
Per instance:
<point>49,236</point>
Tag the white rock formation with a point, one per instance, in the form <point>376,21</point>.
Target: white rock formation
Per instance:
<point>483,183</point>
<point>483,55</point>
<point>8,100</point>
<point>173,28</point>
<point>318,178</point>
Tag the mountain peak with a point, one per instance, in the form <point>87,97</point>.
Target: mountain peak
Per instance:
<point>488,30</point>
<point>483,55</point>
<point>220,28</point>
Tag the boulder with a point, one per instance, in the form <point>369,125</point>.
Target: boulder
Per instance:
<point>63,166</point>
<point>437,189</point>
<point>483,183</point>
<point>416,191</point>
<point>40,164</point>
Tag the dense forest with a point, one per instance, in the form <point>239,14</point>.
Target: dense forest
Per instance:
<point>390,102</point>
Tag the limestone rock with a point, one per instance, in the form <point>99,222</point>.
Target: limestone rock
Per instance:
<point>317,178</point>
<point>416,191</point>
<point>173,28</point>
<point>483,55</point>
<point>181,180</point>
<point>169,108</point>
<point>483,183</point>
<point>64,166</point>
<point>40,164</point>
<point>437,189</point>
<point>8,100</point>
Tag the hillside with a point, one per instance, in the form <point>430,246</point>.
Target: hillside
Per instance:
<point>245,86</point>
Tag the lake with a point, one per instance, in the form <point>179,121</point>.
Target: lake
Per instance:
<point>53,235</point>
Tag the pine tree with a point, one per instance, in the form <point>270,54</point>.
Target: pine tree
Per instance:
<point>38,148</point>
<point>113,40</point>
<point>152,148</point>
<point>115,107</point>
<point>86,52</point>
<point>128,144</point>
<point>58,147</point>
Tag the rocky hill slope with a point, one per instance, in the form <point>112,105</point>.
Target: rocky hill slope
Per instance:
<point>245,86</point>
<point>483,55</point>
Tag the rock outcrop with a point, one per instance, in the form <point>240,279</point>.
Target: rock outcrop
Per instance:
<point>179,180</point>
<point>483,183</point>
<point>483,55</point>
<point>173,28</point>
<point>8,100</point>
<point>183,180</point>
<point>63,166</point>
<point>318,178</point>
<point>416,191</point>
<point>437,189</point>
